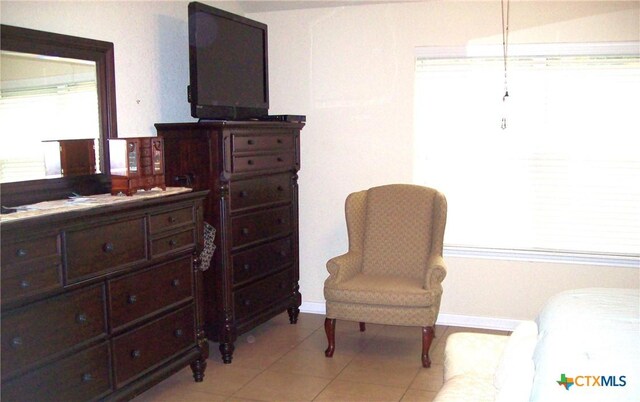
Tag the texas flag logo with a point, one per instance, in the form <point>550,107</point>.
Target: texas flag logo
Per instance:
<point>566,382</point>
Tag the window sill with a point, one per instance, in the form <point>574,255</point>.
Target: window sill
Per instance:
<point>623,261</point>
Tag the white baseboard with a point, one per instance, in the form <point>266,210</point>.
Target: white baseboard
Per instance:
<point>455,320</point>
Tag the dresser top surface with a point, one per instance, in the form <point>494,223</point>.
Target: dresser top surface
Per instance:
<point>64,206</point>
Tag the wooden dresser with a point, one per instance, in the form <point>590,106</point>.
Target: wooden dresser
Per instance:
<point>251,170</point>
<point>101,302</point>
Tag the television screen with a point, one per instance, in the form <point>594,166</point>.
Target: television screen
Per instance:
<point>228,65</point>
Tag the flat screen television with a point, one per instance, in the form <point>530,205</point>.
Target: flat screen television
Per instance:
<point>228,73</point>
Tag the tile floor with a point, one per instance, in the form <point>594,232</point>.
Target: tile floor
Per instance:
<point>278,361</point>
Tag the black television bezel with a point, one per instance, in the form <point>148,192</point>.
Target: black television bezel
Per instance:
<point>220,111</point>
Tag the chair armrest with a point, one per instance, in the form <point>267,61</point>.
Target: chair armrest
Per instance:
<point>436,272</point>
<point>344,267</point>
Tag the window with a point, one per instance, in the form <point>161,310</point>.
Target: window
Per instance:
<point>563,178</point>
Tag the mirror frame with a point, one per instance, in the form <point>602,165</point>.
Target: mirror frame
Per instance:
<point>26,40</point>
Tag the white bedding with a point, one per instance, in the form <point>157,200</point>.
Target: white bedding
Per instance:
<point>587,334</point>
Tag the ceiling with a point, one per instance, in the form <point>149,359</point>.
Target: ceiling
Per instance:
<point>258,6</point>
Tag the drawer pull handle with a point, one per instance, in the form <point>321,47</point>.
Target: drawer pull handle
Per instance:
<point>81,318</point>
<point>175,283</point>
<point>250,162</point>
<point>247,302</point>
<point>135,354</point>
<point>108,247</point>
<point>250,142</point>
<point>24,284</point>
<point>86,377</point>
<point>178,333</point>
<point>243,193</point>
<point>245,231</point>
<point>21,252</point>
<point>132,299</point>
<point>16,342</point>
<point>172,219</point>
<point>173,242</point>
<point>247,267</point>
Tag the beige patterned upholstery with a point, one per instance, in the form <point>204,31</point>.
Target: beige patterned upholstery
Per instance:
<point>393,271</point>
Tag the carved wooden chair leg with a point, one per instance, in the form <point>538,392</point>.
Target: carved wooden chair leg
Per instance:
<point>362,327</point>
<point>427,338</point>
<point>330,330</point>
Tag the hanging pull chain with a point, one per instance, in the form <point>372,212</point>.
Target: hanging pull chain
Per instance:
<point>505,45</point>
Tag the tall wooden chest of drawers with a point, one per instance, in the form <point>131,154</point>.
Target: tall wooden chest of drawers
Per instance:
<point>251,170</point>
<point>102,303</point>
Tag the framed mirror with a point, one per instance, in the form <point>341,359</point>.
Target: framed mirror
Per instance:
<point>57,112</point>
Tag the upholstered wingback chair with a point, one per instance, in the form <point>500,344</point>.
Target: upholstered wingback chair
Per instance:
<point>393,271</point>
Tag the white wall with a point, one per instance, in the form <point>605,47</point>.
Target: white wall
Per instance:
<point>350,70</point>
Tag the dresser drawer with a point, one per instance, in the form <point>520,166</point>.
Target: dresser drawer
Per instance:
<point>30,251</point>
<point>171,219</point>
<point>104,248</point>
<point>252,163</point>
<point>261,260</point>
<point>45,328</point>
<point>32,278</point>
<point>144,293</point>
<point>261,295</point>
<point>151,344</point>
<point>272,142</point>
<point>172,243</point>
<point>83,376</point>
<point>260,191</point>
<point>250,228</point>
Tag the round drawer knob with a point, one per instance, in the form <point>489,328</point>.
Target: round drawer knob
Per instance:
<point>132,299</point>
<point>247,302</point>
<point>243,193</point>
<point>279,159</point>
<point>251,142</point>
<point>86,377</point>
<point>282,253</point>
<point>173,242</point>
<point>108,247</point>
<point>245,231</point>
<point>21,252</point>
<point>246,267</point>
<point>135,354</point>
<point>16,342</point>
<point>280,188</point>
<point>250,162</point>
<point>178,333</point>
<point>280,221</point>
<point>279,141</point>
<point>24,284</point>
<point>172,219</point>
<point>175,283</point>
<point>81,318</point>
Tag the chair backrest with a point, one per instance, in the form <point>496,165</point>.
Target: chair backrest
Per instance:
<point>403,224</point>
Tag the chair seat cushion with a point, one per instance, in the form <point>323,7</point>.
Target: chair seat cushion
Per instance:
<point>381,290</point>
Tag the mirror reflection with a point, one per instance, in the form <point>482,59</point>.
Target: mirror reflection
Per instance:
<point>51,103</point>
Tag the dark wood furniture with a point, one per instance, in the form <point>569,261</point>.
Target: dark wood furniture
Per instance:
<point>102,303</point>
<point>136,164</point>
<point>251,170</point>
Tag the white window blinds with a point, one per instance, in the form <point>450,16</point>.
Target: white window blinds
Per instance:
<point>564,176</point>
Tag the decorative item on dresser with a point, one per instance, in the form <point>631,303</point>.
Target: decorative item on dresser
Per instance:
<point>251,170</point>
<point>136,164</point>
<point>101,297</point>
